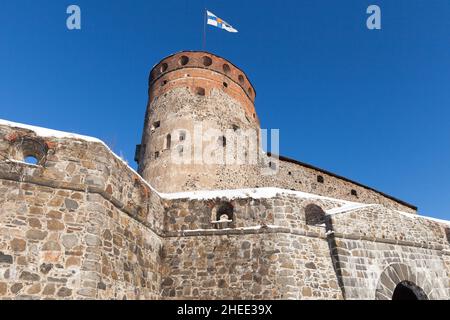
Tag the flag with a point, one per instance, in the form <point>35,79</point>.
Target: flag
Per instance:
<point>215,21</point>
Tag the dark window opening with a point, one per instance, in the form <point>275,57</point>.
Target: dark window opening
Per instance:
<point>223,214</point>
<point>320,179</point>
<point>225,85</point>
<point>235,127</point>
<point>156,125</point>
<point>241,79</point>
<point>168,141</point>
<point>180,150</point>
<point>250,91</point>
<point>183,60</point>
<point>163,67</point>
<point>207,61</point>
<point>354,193</point>
<point>163,83</point>
<point>226,68</point>
<point>254,116</point>
<point>314,215</point>
<point>290,173</point>
<point>156,154</point>
<point>182,136</point>
<point>200,91</point>
<point>406,290</point>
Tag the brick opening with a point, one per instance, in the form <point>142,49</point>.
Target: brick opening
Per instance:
<point>156,154</point>
<point>241,79</point>
<point>183,61</point>
<point>226,68</point>
<point>354,193</point>
<point>163,68</point>
<point>207,61</point>
<point>182,136</point>
<point>320,179</point>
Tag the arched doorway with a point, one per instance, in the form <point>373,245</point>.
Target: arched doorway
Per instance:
<point>407,290</point>
<point>399,281</point>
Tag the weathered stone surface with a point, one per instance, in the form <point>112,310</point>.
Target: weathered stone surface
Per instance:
<point>4,258</point>
<point>28,276</point>
<point>69,241</point>
<point>71,205</point>
<point>36,234</point>
<point>18,245</point>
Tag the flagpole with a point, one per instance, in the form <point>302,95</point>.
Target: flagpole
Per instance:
<point>204,30</point>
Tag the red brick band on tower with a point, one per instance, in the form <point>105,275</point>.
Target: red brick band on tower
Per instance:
<point>209,71</point>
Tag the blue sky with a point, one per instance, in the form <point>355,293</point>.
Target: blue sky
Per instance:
<point>369,105</point>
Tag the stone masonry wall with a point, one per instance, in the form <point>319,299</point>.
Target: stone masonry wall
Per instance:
<point>377,248</point>
<point>80,224</point>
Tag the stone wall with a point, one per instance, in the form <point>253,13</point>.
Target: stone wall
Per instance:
<point>377,248</point>
<point>82,225</point>
<point>79,224</point>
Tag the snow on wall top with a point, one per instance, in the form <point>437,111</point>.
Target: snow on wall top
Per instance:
<point>43,132</point>
<point>258,193</point>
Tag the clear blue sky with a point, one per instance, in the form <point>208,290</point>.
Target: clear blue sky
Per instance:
<point>370,105</point>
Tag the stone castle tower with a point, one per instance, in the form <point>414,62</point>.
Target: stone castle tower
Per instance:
<point>191,94</point>
<point>79,223</point>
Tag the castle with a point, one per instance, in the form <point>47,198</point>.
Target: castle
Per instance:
<point>79,223</point>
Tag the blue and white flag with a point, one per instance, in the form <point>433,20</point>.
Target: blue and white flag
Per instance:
<point>215,21</point>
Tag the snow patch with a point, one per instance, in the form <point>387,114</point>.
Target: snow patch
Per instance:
<point>43,132</point>
<point>348,207</point>
<point>259,193</point>
<point>415,216</point>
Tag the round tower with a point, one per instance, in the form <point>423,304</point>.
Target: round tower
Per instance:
<point>201,131</point>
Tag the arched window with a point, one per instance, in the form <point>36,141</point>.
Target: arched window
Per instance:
<point>32,151</point>
<point>168,141</point>
<point>314,215</point>
<point>223,215</point>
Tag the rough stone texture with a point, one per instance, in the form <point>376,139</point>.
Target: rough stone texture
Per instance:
<point>175,106</point>
<point>81,224</point>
